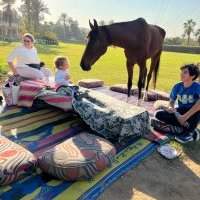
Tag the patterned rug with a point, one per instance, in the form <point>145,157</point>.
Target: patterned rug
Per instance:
<point>39,130</point>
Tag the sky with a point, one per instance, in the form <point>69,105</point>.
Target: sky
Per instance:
<point>169,14</point>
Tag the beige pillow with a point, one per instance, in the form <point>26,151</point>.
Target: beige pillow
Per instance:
<point>91,83</point>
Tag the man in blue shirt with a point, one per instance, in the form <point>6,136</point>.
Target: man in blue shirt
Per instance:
<point>183,119</point>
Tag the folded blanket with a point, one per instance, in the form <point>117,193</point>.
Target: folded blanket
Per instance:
<point>32,89</point>
<point>29,89</point>
<point>57,100</point>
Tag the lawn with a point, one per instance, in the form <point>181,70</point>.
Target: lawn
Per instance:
<point>111,67</point>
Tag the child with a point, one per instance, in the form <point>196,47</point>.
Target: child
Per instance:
<point>183,120</point>
<point>62,74</point>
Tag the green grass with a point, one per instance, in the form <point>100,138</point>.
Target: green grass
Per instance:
<point>111,67</point>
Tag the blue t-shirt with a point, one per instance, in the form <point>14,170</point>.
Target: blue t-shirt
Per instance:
<point>186,97</point>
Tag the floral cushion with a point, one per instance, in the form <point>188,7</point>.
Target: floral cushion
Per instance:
<point>80,157</point>
<point>122,88</point>
<point>15,161</point>
<point>111,118</point>
<point>91,83</point>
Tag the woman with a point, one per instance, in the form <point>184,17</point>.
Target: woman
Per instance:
<point>22,56</point>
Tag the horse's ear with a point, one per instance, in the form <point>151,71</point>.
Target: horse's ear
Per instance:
<point>91,25</point>
<point>96,24</point>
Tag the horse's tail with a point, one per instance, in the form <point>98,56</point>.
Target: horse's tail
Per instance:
<point>156,70</point>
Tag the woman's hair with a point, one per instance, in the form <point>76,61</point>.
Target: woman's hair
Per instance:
<point>42,64</point>
<point>193,70</point>
<point>30,36</point>
<point>60,60</point>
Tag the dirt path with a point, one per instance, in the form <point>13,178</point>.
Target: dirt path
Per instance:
<point>160,179</point>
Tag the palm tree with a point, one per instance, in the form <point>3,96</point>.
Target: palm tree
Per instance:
<point>33,13</point>
<point>197,34</point>
<point>8,14</point>
<point>39,9</point>
<point>27,14</point>
<point>188,29</point>
<point>65,21</point>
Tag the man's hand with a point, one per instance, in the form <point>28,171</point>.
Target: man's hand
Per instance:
<point>181,119</point>
<point>170,110</point>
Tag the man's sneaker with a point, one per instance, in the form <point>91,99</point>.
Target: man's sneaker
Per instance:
<point>184,138</point>
<point>159,126</point>
<point>196,135</point>
<point>166,128</point>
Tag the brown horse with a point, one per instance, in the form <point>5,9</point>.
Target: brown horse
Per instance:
<point>140,41</point>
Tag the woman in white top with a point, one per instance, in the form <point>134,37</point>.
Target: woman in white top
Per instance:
<point>23,55</point>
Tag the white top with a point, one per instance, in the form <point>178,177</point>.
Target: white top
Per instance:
<point>62,77</point>
<point>22,56</point>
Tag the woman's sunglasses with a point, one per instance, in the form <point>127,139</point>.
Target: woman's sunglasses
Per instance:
<point>27,41</point>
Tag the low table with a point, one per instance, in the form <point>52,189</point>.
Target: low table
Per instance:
<point>111,118</point>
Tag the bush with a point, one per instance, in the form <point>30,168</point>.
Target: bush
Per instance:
<point>182,49</point>
<point>47,38</point>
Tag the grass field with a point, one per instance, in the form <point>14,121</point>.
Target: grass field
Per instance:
<point>111,67</point>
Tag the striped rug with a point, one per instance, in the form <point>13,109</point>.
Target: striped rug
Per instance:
<point>39,130</point>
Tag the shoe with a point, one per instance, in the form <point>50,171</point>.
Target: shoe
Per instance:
<point>159,126</point>
<point>168,152</point>
<point>184,138</point>
<point>166,128</point>
<point>196,135</point>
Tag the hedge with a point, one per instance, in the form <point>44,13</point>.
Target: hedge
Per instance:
<point>182,49</point>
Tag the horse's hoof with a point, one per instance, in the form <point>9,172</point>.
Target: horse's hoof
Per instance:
<point>139,102</point>
<point>145,97</point>
<point>127,100</point>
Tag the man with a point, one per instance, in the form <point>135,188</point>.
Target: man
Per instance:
<point>182,120</point>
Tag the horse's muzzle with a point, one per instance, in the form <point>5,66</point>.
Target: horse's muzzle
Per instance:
<point>85,67</point>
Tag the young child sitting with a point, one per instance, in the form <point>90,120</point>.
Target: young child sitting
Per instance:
<point>183,119</point>
<point>62,76</point>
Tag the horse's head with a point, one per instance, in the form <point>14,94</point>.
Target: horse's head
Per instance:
<point>96,46</point>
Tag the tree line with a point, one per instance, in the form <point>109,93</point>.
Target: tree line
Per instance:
<point>30,17</point>
<point>190,30</point>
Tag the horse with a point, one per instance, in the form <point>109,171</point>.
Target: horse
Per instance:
<point>140,42</point>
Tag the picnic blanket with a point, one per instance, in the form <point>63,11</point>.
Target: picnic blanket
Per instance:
<point>39,130</point>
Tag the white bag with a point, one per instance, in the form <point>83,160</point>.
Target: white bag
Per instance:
<point>11,94</point>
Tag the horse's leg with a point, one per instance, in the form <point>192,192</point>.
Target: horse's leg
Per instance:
<point>142,79</point>
<point>154,62</point>
<point>130,77</point>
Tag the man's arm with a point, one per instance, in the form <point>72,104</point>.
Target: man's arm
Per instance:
<point>193,110</point>
<point>183,118</point>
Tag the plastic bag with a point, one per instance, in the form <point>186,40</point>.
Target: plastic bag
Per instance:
<point>11,93</point>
